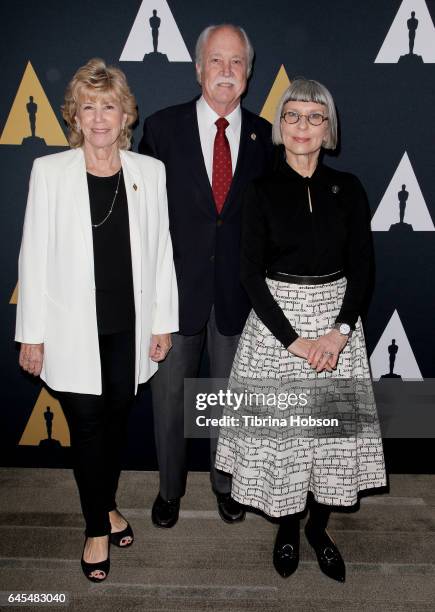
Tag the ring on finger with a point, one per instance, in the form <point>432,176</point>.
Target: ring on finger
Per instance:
<point>328,353</point>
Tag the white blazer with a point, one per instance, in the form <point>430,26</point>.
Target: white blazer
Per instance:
<point>56,281</point>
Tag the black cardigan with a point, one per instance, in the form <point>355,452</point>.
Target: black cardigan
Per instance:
<point>281,234</point>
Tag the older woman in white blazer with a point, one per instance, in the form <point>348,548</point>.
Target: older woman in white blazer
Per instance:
<point>97,296</point>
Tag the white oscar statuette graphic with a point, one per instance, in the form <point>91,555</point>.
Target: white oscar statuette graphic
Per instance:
<point>155,35</point>
<point>411,37</point>
<point>403,208</point>
<point>393,357</point>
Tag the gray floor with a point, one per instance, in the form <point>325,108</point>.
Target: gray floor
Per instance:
<point>204,564</point>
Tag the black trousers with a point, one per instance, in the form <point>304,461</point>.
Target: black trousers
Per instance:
<point>183,361</point>
<point>98,426</point>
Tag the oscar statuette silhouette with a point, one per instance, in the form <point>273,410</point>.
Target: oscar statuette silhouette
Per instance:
<point>32,110</point>
<point>155,57</point>
<point>402,227</point>
<point>49,442</point>
<point>411,59</point>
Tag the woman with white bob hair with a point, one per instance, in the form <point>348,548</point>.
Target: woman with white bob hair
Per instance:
<point>306,266</point>
<point>97,292</point>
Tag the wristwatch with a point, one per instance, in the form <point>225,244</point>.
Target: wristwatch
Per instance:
<point>344,329</point>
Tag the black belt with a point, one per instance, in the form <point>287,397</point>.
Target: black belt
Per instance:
<point>305,280</point>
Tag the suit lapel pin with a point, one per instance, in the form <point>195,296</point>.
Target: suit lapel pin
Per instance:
<point>253,136</point>
<point>335,188</point>
<point>135,186</point>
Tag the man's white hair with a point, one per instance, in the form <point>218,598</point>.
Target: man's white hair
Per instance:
<point>203,37</point>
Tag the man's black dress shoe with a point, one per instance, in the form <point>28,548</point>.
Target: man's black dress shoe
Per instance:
<point>229,509</point>
<point>286,552</point>
<point>165,513</point>
<point>330,561</point>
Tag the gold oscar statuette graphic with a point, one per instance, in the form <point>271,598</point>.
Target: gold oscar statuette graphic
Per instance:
<point>47,426</point>
<point>31,119</point>
<point>278,88</point>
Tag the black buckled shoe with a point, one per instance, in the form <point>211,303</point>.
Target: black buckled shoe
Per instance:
<point>165,513</point>
<point>328,556</point>
<point>229,509</point>
<point>286,552</point>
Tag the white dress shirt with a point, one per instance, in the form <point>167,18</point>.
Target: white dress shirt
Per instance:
<point>207,132</point>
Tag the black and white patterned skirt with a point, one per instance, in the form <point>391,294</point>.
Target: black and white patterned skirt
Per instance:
<point>273,472</point>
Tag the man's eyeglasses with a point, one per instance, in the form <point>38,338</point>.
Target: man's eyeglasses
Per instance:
<point>291,117</point>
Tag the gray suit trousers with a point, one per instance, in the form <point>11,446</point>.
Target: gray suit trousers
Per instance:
<point>167,385</point>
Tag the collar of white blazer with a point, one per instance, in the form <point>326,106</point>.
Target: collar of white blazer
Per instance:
<point>127,161</point>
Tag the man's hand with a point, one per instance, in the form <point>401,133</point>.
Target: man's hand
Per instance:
<point>160,346</point>
<point>31,358</point>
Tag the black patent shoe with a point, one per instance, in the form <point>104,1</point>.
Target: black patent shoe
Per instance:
<point>90,568</point>
<point>328,556</point>
<point>286,552</point>
<point>165,513</point>
<point>229,509</point>
<point>118,537</point>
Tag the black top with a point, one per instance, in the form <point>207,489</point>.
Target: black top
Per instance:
<point>112,255</point>
<point>281,234</point>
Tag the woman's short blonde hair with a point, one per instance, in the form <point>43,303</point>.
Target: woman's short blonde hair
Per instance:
<point>306,90</point>
<point>96,78</point>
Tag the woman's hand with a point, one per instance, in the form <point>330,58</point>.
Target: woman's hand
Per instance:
<point>300,347</point>
<point>31,358</point>
<point>160,346</point>
<point>324,352</point>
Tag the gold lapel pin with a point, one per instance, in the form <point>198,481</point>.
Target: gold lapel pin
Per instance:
<point>135,186</point>
<point>253,135</point>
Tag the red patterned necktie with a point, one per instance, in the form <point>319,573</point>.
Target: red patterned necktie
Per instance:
<point>222,168</point>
